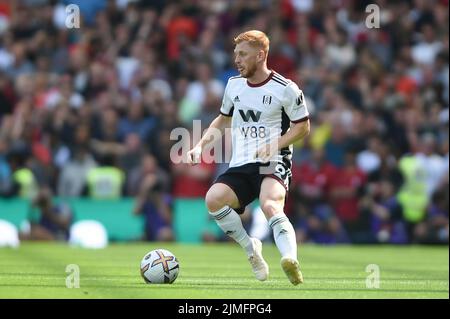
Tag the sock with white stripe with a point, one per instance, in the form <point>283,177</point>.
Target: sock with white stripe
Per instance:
<point>231,224</point>
<point>284,235</point>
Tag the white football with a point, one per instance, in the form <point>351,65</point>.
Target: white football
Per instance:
<point>159,266</point>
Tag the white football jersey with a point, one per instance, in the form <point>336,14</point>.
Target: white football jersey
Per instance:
<point>261,113</point>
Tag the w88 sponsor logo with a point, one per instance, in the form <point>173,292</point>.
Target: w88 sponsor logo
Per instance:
<point>253,131</point>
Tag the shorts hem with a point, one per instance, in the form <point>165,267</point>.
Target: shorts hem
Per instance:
<point>279,180</point>
<point>232,188</point>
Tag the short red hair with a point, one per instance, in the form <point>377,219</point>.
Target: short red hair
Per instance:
<point>254,38</point>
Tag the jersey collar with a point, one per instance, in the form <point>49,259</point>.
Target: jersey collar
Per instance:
<point>261,83</point>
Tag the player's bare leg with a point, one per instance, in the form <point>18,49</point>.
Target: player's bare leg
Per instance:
<point>272,203</point>
<point>220,201</point>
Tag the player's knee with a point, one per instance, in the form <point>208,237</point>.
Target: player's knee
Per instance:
<point>271,207</point>
<point>214,200</point>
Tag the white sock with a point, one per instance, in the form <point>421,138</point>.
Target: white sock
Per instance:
<point>231,224</point>
<point>284,235</point>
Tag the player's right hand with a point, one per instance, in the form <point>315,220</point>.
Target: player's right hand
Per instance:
<point>194,155</point>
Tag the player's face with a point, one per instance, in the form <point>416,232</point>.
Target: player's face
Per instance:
<point>246,59</point>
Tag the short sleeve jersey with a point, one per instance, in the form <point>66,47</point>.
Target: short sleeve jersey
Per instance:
<point>260,114</point>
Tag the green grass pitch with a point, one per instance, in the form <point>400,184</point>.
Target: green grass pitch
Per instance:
<point>221,271</point>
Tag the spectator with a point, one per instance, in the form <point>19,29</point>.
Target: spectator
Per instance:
<point>136,122</point>
<point>7,95</point>
<point>413,196</point>
<point>205,91</point>
<point>369,160</point>
<point>73,178</point>
<point>106,181</point>
<point>105,134</point>
<point>434,229</point>
<point>385,213</point>
<point>436,169</point>
<point>154,203</point>
<point>19,62</point>
<point>310,186</point>
<point>131,152</point>
<point>5,170</point>
<point>347,185</point>
<point>23,182</point>
<point>148,167</point>
<point>422,173</point>
<point>336,146</point>
<point>340,53</point>
<point>426,50</point>
<point>47,221</point>
<point>181,30</point>
<point>192,181</point>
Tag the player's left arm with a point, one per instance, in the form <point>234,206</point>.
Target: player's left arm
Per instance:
<point>295,107</point>
<point>297,131</point>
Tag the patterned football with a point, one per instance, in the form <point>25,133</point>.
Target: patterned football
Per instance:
<point>159,266</point>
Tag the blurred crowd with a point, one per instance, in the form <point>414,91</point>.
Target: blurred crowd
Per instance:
<point>89,111</point>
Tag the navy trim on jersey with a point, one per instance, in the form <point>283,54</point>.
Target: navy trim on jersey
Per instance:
<point>279,81</point>
<point>301,120</point>
<point>279,75</point>
<point>280,78</point>
<point>227,115</point>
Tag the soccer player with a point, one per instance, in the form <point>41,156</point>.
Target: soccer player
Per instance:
<point>266,113</point>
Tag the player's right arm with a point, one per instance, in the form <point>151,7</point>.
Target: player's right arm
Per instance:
<point>219,124</point>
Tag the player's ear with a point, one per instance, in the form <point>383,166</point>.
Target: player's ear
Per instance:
<point>261,56</point>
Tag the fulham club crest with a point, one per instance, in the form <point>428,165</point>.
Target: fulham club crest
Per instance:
<point>267,99</point>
